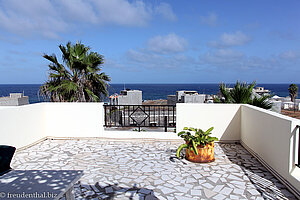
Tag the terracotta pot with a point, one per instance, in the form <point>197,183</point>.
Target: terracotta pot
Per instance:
<point>205,154</point>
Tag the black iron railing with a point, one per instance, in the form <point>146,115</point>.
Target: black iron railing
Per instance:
<point>140,116</point>
<point>298,163</point>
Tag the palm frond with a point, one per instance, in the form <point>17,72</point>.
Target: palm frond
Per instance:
<point>78,78</point>
<point>262,102</point>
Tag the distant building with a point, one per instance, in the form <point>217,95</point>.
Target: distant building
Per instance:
<point>14,99</point>
<point>261,91</point>
<point>185,96</point>
<point>209,99</point>
<point>288,105</point>
<point>189,97</point>
<point>171,99</point>
<point>276,105</point>
<point>127,97</point>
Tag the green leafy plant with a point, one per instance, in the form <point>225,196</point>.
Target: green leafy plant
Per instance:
<point>243,93</point>
<point>78,78</point>
<point>194,137</point>
<point>293,90</point>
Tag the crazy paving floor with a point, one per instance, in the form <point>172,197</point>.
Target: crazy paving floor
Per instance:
<point>137,169</point>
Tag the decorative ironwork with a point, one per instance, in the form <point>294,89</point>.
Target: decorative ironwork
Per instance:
<point>140,116</point>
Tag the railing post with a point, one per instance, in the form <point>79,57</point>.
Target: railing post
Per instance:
<point>298,164</point>
<point>105,117</point>
<point>166,123</point>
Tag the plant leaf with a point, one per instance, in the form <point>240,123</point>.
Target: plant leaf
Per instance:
<point>180,149</point>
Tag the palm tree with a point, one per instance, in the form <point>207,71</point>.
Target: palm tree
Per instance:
<point>78,78</point>
<point>261,102</point>
<point>243,93</point>
<point>293,90</point>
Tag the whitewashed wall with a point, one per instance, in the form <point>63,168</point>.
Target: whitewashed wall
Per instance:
<point>73,119</point>
<point>21,125</point>
<point>225,118</point>
<point>272,137</point>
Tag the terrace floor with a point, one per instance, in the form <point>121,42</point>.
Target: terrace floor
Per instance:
<point>139,169</point>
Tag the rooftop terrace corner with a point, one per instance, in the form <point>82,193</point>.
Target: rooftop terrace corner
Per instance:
<point>271,138</point>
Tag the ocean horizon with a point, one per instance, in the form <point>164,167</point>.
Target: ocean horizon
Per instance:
<point>150,91</point>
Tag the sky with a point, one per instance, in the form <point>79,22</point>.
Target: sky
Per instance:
<point>153,41</point>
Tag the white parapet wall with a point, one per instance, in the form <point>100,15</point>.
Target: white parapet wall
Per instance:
<point>23,125</point>
<point>225,118</point>
<point>272,137</point>
<point>74,119</point>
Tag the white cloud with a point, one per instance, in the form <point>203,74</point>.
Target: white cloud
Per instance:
<point>31,18</point>
<point>158,61</point>
<point>228,53</point>
<point>166,11</point>
<point>215,61</point>
<point>221,57</point>
<point>210,19</point>
<point>122,12</point>
<point>290,55</point>
<point>49,18</point>
<point>170,43</point>
<point>77,10</point>
<point>231,39</point>
<point>161,52</point>
<point>236,60</point>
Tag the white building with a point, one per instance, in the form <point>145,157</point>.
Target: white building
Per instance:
<point>14,99</point>
<point>171,99</point>
<point>185,96</point>
<point>190,97</point>
<point>261,91</point>
<point>127,97</point>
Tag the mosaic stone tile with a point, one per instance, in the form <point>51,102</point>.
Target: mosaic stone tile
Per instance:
<point>136,169</point>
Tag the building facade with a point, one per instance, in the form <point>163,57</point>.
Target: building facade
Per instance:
<point>14,99</point>
<point>127,97</point>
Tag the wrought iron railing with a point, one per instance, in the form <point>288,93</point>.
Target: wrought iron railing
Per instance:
<point>298,163</point>
<point>140,116</point>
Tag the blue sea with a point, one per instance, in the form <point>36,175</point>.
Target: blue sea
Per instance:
<point>150,91</point>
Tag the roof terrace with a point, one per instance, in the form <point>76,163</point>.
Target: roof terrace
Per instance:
<point>255,159</point>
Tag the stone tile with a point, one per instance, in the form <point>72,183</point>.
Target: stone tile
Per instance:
<point>166,190</point>
<point>238,191</point>
<point>253,192</point>
<point>219,197</point>
<point>143,170</point>
<point>218,188</point>
<point>182,189</point>
<point>226,191</point>
<point>196,192</point>
<point>209,193</point>
<point>208,185</point>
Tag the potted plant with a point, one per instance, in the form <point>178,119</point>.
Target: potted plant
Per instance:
<point>199,145</point>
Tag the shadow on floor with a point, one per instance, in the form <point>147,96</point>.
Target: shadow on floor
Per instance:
<point>109,192</point>
<point>265,183</point>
